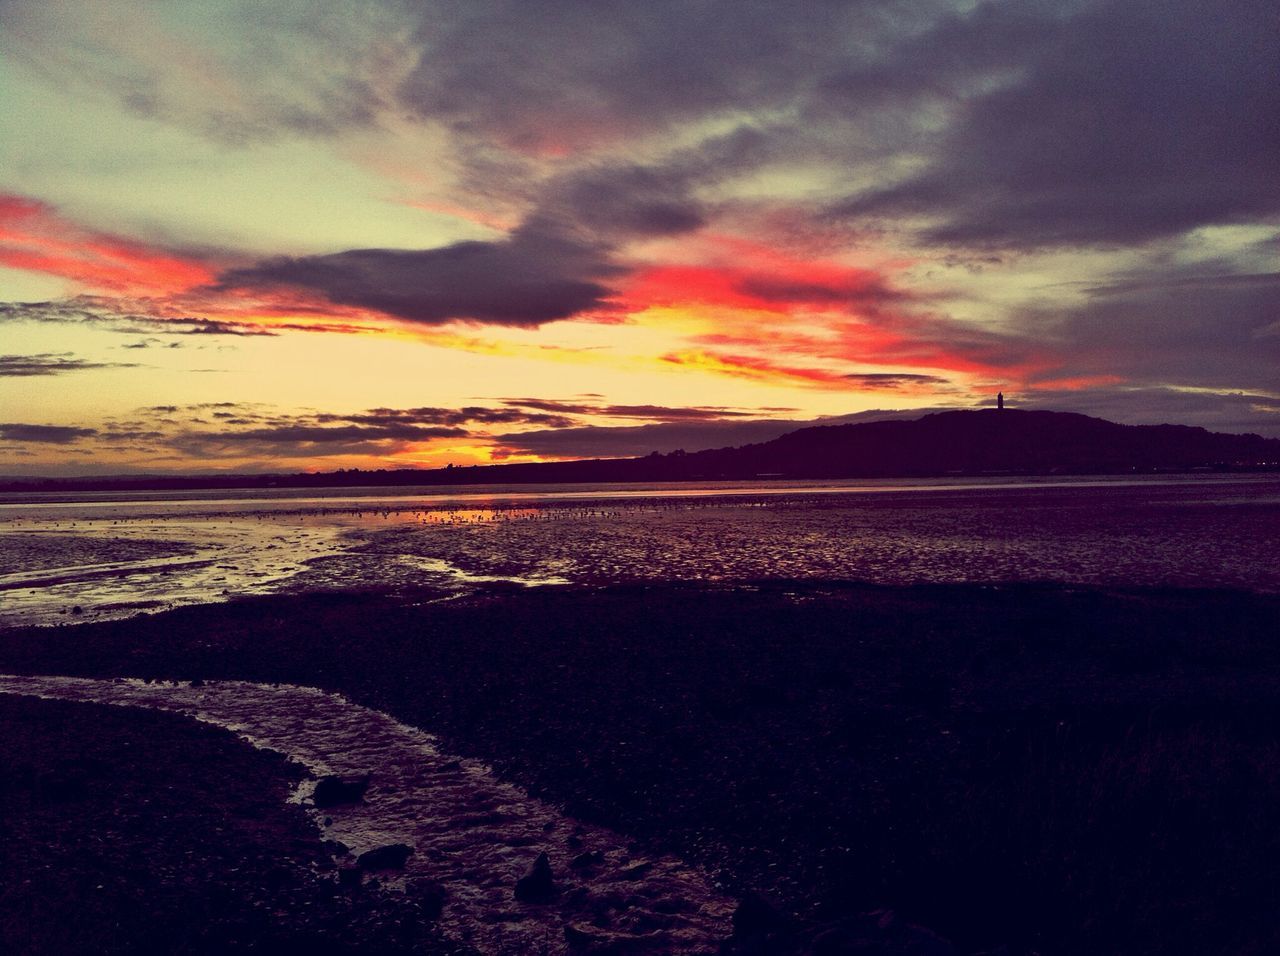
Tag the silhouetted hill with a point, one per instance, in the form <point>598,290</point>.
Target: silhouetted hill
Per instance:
<point>975,442</point>
<point>986,441</point>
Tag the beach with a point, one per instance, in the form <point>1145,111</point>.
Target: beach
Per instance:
<point>1045,768</point>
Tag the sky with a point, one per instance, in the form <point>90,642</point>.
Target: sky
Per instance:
<point>302,236</point>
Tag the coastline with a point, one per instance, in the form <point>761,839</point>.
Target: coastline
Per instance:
<point>974,757</point>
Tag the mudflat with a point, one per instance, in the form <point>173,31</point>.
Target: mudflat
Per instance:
<point>1049,769</point>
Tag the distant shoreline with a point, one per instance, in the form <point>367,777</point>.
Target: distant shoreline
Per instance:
<point>986,442</point>
<point>28,495</point>
<point>483,475</point>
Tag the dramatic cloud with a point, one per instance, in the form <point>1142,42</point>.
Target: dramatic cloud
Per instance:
<point>21,366</point>
<point>693,210</point>
<point>528,279</point>
<point>1130,120</point>
<point>1175,327</point>
<point>545,79</point>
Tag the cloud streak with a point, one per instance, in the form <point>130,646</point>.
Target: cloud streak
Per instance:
<point>26,366</point>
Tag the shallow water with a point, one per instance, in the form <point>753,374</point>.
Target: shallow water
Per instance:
<point>471,832</point>
<point>111,556</point>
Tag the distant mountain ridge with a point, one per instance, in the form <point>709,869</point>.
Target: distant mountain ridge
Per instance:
<point>986,441</point>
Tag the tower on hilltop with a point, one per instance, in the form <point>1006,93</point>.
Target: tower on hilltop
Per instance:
<point>999,401</point>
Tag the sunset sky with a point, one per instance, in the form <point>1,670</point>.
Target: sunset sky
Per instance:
<point>287,235</point>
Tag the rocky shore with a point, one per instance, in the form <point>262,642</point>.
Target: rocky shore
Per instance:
<point>1021,769</point>
<point>126,831</point>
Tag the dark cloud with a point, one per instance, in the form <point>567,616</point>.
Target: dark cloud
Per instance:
<point>476,414</point>
<point>668,413</point>
<point>526,280</point>
<point>892,380</point>
<point>1171,326</point>
<point>152,343</point>
<point>49,363</point>
<point>327,434</point>
<point>200,326</point>
<point>652,412</point>
<point>553,76</point>
<point>44,434</point>
<point>1130,120</point>
<point>116,316</point>
<point>115,434</point>
<point>863,290</point>
<point>551,405</point>
<point>623,200</point>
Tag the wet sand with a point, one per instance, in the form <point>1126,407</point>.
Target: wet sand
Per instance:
<point>1050,769</point>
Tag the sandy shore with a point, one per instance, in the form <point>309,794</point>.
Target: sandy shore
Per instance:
<point>1049,770</point>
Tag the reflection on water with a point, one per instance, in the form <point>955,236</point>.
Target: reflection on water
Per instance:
<point>130,553</point>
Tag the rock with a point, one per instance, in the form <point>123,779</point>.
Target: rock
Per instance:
<point>584,860</point>
<point>350,877</point>
<point>333,791</point>
<point>635,872</point>
<point>430,895</point>
<point>393,856</point>
<point>581,938</point>
<point>538,885</point>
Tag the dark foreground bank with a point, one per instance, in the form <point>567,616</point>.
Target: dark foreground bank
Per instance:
<point>1048,770</point>
<point>131,832</point>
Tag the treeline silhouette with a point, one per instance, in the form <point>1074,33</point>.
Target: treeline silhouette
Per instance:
<point>979,442</point>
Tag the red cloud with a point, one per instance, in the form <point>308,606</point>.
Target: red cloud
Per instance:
<point>33,236</point>
<point>751,275</point>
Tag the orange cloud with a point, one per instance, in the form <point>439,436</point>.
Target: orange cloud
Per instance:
<point>1073,383</point>
<point>35,238</point>
<point>739,273</point>
<point>757,369</point>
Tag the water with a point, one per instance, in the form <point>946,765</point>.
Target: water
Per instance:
<point>121,554</point>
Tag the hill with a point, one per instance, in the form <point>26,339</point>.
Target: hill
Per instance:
<point>987,441</point>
